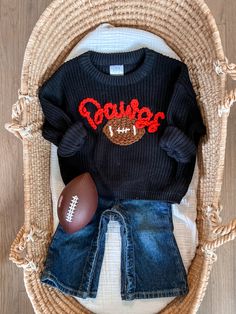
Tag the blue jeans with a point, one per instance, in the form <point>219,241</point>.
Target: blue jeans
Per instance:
<point>151,265</point>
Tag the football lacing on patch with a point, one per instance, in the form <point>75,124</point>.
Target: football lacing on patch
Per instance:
<point>72,207</point>
<point>123,131</point>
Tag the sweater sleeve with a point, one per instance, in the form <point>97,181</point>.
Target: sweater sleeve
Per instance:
<point>184,122</point>
<point>58,127</point>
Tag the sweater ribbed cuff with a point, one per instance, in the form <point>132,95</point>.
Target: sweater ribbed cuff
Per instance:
<point>56,116</point>
<point>73,140</point>
<point>51,134</point>
<point>177,145</point>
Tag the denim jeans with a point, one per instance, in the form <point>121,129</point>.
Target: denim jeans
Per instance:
<point>151,265</point>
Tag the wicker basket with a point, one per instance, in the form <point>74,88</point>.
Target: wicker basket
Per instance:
<point>189,28</point>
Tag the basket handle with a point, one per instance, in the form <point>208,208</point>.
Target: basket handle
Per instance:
<point>224,67</point>
<point>223,232</point>
<point>18,254</point>
<point>230,99</point>
<point>19,125</point>
<point>17,249</point>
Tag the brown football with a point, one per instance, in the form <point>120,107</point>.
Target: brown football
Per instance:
<point>123,131</point>
<point>77,203</point>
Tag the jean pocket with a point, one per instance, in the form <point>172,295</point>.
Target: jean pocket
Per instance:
<point>176,256</point>
<point>162,215</point>
<point>162,223</point>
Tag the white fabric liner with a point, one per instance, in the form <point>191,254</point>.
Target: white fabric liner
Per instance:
<point>107,38</point>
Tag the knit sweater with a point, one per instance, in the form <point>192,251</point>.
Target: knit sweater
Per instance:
<point>130,119</point>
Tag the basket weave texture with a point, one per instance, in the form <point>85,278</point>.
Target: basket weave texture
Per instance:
<point>189,28</point>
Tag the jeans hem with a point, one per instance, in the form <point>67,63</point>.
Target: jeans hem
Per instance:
<point>51,280</point>
<point>154,294</point>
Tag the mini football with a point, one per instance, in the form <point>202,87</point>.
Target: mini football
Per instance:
<point>123,131</point>
<point>77,203</point>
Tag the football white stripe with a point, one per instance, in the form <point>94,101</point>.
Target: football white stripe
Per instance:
<point>110,129</point>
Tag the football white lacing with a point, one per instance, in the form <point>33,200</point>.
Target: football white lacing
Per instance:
<point>72,207</point>
<point>123,130</point>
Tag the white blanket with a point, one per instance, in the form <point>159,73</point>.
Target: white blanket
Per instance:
<point>107,38</point>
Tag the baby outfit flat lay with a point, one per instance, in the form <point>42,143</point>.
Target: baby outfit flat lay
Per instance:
<point>131,120</point>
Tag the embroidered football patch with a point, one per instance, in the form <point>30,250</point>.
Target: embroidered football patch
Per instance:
<point>123,131</point>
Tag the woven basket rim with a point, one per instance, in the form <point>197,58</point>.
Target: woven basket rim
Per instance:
<point>48,12</point>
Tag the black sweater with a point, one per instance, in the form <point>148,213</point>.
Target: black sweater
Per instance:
<point>136,133</point>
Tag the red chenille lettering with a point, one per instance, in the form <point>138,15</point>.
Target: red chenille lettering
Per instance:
<point>143,117</point>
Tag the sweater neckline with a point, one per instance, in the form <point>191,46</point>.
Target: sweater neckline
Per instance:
<point>89,59</point>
